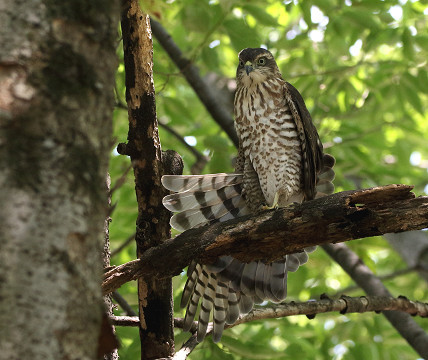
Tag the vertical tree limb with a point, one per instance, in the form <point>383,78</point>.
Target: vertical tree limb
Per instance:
<point>155,297</point>
<point>107,343</point>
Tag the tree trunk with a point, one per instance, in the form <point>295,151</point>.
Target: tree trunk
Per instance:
<point>57,64</point>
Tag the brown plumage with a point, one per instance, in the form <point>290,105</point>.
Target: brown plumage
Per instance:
<point>280,161</point>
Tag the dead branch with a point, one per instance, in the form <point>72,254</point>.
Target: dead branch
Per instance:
<point>155,301</point>
<point>340,217</point>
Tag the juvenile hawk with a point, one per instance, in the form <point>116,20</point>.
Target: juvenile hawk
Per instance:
<point>280,161</point>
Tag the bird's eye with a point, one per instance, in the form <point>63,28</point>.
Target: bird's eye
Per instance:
<point>241,63</point>
<point>261,61</point>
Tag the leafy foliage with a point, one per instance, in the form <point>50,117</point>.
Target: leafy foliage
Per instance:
<point>361,67</point>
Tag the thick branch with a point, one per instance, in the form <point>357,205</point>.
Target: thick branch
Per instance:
<point>191,73</point>
<point>271,234</point>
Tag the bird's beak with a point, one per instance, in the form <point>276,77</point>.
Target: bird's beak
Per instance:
<point>248,67</point>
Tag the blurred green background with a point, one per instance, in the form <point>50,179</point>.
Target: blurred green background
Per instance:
<point>361,67</point>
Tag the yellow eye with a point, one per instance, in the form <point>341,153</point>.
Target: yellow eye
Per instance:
<point>261,61</point>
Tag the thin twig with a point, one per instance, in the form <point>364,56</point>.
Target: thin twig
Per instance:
<point>123,245</point>
<point>201,159</point>
<point>120,181</point>
<point>123,304</point>
<point>344,305</point>
<point>390,276</point>
<point>125,320</point>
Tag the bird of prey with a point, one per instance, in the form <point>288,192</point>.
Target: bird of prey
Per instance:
<point>280,161</point>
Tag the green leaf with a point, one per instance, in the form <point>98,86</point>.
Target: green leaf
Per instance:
<point>407,40</point>
<point>260,15</point>
<point>240,34</point>
<point>362,18</point>
<point>422,41</point>
<point>250,351</point>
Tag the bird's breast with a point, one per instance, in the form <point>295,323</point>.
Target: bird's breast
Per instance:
<point>269,137</point>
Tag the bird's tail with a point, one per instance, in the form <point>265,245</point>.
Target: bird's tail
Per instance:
<point>228,287</point>
<point>197,201</point>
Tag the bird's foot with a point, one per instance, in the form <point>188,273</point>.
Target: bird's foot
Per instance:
<point>274,204</point>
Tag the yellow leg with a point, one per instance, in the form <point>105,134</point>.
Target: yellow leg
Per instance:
<point>275,203</point>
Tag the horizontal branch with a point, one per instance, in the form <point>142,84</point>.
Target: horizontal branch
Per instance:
<point>343,305</point>
<point>272,234</point>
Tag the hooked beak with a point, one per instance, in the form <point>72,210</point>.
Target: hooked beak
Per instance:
<point>248,67</point>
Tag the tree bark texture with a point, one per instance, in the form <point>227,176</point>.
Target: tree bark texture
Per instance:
<point>155,296</point>
<point>335,218</point>
<point>107,343</point>
<point>57,66</point>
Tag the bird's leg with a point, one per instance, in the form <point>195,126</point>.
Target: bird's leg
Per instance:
<point>275,204</point>
<point>254,197</point>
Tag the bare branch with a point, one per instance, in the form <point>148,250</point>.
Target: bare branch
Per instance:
<point>154,296</point>
<point>189,346</point>
<point>123,304</point>
<point>120,181</point>
<point>385,277</point>
<point>272,234</point>
<point>125,320</point>
<point>343,305</point>
<point>123,245</point>
<point>201,159</point>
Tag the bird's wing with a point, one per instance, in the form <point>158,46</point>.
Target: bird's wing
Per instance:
<point>312,149</point>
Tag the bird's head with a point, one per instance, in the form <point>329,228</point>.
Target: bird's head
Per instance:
<point>255,66</point>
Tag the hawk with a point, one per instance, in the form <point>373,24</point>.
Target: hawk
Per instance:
<point>280,161</point>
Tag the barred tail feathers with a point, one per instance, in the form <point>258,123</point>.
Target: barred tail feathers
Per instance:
<point>213,298</point>
<point>228,288</point>
<point>201,199</point>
